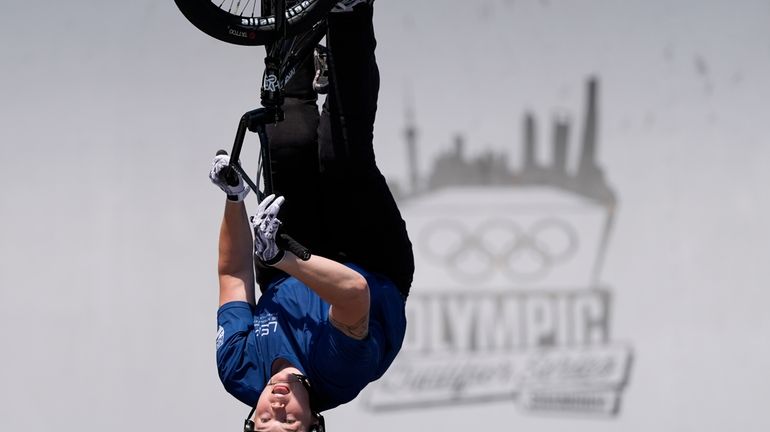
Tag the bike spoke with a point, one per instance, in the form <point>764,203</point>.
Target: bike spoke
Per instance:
<point>239,8</point>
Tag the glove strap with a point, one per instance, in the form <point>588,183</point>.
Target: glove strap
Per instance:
<point>286,243</point>
<point>274,260</point>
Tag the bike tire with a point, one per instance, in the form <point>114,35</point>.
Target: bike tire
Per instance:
<point>251,30</point>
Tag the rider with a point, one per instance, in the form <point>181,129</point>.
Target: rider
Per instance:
<point>323,328</point>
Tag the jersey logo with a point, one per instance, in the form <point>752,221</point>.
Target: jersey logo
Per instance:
<point>220,337</point>
<point>265,325</point>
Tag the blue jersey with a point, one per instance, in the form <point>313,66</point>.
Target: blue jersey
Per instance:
<point>290,321</point>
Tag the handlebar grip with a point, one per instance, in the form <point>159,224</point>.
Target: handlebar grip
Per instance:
<point>285,242</point>
<point>229,174</point>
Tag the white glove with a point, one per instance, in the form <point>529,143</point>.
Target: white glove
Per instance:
<point>234,193</point>
<point>265,224</point>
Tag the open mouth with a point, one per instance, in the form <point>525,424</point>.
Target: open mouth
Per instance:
<point>281,389</point>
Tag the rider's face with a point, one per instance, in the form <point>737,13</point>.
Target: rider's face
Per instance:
<point>284,405</point>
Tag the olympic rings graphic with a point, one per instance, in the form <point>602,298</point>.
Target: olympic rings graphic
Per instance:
<point>524,255</point>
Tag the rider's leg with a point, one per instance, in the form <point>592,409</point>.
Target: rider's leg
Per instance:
<point>357,200</point>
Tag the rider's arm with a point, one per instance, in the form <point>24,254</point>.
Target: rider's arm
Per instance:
<point>343,288</point>
<point>236,267</point>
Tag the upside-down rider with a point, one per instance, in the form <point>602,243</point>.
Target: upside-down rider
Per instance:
<point>325,327</point>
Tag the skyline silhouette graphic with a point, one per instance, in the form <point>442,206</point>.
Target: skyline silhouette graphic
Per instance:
<point>455,168</point>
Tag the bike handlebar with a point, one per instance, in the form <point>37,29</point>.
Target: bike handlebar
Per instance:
<point>228,173</point>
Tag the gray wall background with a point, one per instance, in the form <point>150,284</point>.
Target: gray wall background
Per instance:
<point>110,113</point>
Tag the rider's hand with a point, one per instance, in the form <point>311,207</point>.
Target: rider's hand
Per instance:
<point>219,167</point>
<point>266,224</point>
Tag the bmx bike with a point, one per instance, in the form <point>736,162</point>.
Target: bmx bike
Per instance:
<point>290,34</point>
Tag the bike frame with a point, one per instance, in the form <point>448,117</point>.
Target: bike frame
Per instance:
<point>281,64</point>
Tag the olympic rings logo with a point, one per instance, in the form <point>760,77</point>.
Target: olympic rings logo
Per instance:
<point>524,255</point>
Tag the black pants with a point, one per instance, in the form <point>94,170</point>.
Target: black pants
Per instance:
<point>337,201</point>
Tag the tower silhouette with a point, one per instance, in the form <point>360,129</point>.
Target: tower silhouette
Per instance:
<point>587,166</point>
<point>410,135</point>
<point>560,142</point>
<point>530,143</point>
<point>589,180</point>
